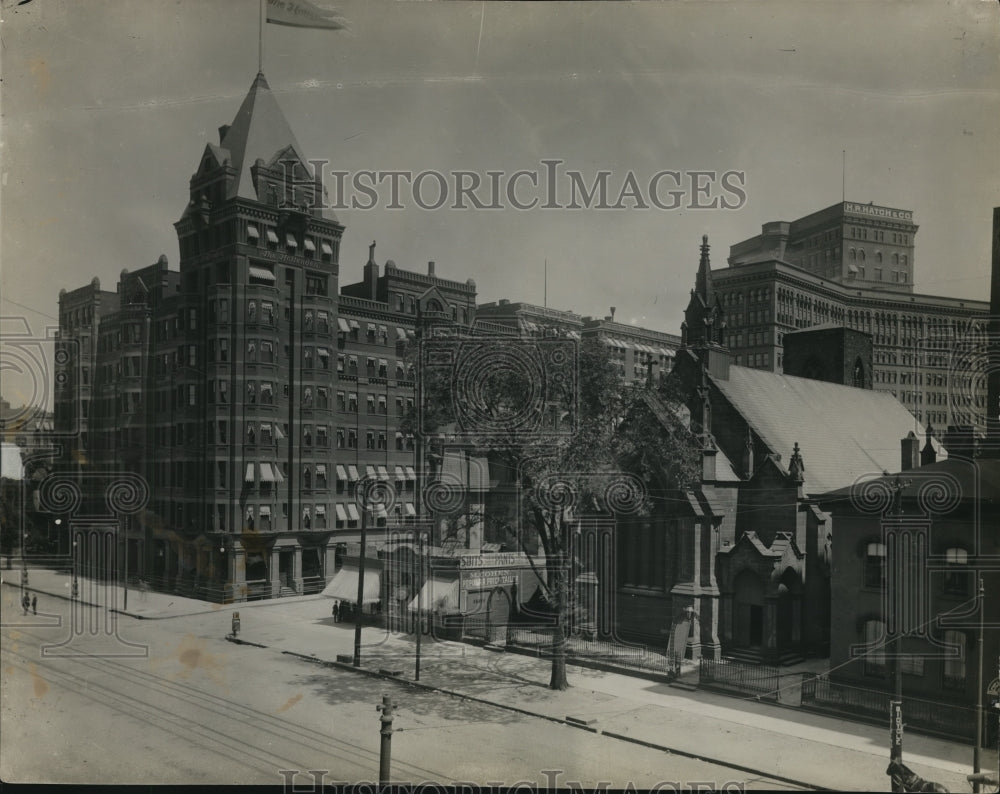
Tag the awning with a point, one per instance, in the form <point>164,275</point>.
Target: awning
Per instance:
<point>437,595</point>
<point>383,331</point>
<point>400,474</point>
<point>290,240</point>
<point>341,512</point>
<point>322,351</point>
<point>341,473</point>
<point>343,326</point>
<point>353,360</point>
<point>370,472</point>
<point>410,509</point>
<point>261,272</point>
<point>382,473</point>
<point>354,324</point>
<point>371,328</point>
<point>353,470</point>
<point>400,334</point>
<point>320,510</point>
<point>383,363</point>
<point>352,511</point>
<point>326,249</point>
<point>265,511</point>
<point>248,477</point>
<point>272,236</point>
<point>379,511</point>
<point>309,245</point>
<point>321,470</point>
<point>410,473</point>
<point>344,585</point>
<point>278,476</point>
<point>277,432</point>
<point>266,474</point>
<point>252,231</point>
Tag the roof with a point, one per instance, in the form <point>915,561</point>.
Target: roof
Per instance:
<point>11,466</point>
<point>977,481</point>
<point>724,469</point>
<point>844,433</point>
<point>259,131</point>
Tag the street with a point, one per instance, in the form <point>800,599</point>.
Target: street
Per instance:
<point>201,709</point>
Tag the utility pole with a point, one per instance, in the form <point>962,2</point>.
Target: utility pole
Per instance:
<point>385,750</point>
<point>420,601</point>
<point>359,609</point>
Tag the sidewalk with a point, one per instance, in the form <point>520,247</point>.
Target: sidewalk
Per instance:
<point>150,605</point>
<point>814,750</point>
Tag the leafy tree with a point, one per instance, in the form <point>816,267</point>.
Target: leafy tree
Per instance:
<point>614,426</point>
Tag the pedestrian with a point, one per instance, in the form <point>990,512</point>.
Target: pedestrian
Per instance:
<point>34,605</point>
<point>336,612</point>
<point>25,603</point>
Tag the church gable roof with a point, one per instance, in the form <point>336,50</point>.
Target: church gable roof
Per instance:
<point>844,433</point>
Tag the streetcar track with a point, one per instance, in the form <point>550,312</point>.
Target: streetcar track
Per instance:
<point>231,710</point>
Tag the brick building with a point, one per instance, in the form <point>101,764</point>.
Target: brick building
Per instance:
<point>247,388</point>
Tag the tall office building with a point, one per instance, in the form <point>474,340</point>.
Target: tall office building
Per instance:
<point>852,265</point>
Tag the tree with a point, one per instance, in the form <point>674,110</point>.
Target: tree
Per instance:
<point>562,475</point>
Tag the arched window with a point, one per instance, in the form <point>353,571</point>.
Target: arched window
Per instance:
<point>954,668</point>
<point>858,376</point>
<point>853,255</point>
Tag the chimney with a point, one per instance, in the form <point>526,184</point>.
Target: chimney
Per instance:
<point>960,441</point>
<point>430,268</point>
<point>612,314</point>
<point>222,132</point>
<point>910,447</point>
<point>928,454</point>
<point>371,274</point>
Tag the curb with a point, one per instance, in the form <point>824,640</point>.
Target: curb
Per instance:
<point>570,721</point>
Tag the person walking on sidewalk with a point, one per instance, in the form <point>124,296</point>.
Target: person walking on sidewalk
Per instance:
<point>34,605</point>
<point>336,612</point>
<point>25,603</point>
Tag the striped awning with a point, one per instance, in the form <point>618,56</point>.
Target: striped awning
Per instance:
<point>249,476</point>
<point>261,272</point>
<point>326,249</point>
<point>272,236</point>
<point>343,326</point>
<point>341,512</point>
<point>341,473</point>
<point>266,473</point>
<point>353,471</point>
<point>344,585</point>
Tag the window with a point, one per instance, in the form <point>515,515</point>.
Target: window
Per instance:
<point>323,397</point>
<point>875,565</point>
<point>352,439</point>
<point>370,439</point>
<point>267,352</point>
<point>954,669</point>
<point>307,478</point>
<point>352,403</point>
<point>341,359</point>
<point>223,350</point>
<point>252,311</point>
<point>324,322</point>
<point>251,350</point>
<point>323,436</point>
<point>956,580</point>
<point>371,403</point>
<point>268,309</point>
<point>341,438</point>
<point>307,436</point>
<point>875,643</point>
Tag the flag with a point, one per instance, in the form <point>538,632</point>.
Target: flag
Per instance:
<point>302,14</point>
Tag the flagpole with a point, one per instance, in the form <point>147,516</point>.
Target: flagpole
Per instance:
<point>260,38</point>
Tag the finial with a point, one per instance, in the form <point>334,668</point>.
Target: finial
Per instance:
<point>795,466</point>
<point>371,252</point>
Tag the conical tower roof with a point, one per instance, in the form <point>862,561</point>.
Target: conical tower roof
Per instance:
<point>259,131</point>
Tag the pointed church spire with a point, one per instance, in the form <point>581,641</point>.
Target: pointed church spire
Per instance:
<point>703,282</point>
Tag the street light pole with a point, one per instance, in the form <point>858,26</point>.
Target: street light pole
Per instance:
<point>361,584</point>
<point>979,689</point>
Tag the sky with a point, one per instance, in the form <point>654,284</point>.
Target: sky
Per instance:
<point>107,106</point>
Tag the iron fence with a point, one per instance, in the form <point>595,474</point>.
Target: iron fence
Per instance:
<point>947,719</point>
<point>761,680</point>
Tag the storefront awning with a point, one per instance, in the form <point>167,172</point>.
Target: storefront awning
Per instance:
<point>261,272</point>
<point>438,595</point>
<point>344,586</point>
<point>400,474</point>
<point>383,474</point>
<point>371,472</point>
<point>410,473</point>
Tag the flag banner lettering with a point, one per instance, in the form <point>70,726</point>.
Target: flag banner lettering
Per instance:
<point>302,14</point>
